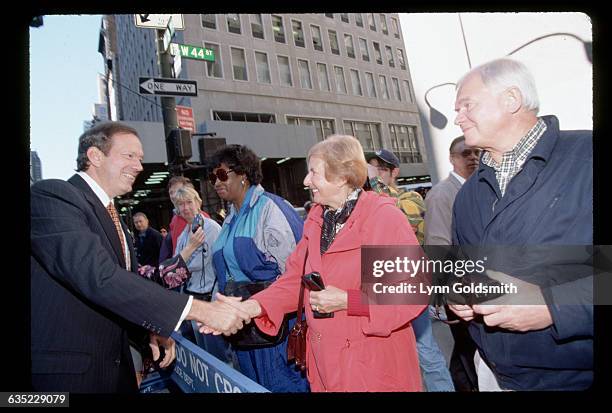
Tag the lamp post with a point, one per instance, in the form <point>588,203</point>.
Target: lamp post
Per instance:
<point>439,121</point>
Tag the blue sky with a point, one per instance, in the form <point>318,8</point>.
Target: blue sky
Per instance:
<point>64,62</point>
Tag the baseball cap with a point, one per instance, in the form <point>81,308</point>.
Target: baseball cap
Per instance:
<point>386,156</point>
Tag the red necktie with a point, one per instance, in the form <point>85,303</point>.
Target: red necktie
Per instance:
<point>115,217</point>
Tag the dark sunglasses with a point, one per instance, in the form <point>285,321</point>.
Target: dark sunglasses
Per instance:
<point>221,175</point>
<point>467,152</point>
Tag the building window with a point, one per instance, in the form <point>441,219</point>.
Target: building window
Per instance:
<point>213,69</point>
<point>257,26</point>
<point>370,86</point>
<point>298,33</point>
<point>383,87</point>
<point>367,133</point>
<point>359,19</point>
<point>396,88</point>
<point>371,21</point>
<point>330,15</point>
<point>344,17</point>
<point>408,92</point>
<point>400,59</point>
<point>404,143</point>
<point>383,24</point>
<point>278,29</point>
<point>323,77</point>
<point>356,83</point>
<point>244,117</point>
<point>233,23</point>
<point>209,21</point>
<point>317,41</point>
<point>377,53</point>
<point>363,45</point>
<point>348,44</point>
<point>284,70</point>
<point>239,67</point>
<point>304,71</point>
<point>333,42</point>
<point>389,52</point>
<point>340,80</point>
<point>323,127</point>
<point>263,68</point>
<point>395,27</point>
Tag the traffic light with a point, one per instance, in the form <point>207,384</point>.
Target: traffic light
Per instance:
<point>208,146</point>
<point>178,146</point>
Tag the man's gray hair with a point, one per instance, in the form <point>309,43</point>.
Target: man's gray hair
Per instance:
<point>501,74</point>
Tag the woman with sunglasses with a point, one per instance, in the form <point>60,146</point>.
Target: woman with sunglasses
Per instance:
<point>259,233</point>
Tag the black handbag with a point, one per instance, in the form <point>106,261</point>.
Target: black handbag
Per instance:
<point>250,337</point>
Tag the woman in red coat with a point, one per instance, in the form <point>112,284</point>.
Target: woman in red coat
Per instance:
<point>362,348</point>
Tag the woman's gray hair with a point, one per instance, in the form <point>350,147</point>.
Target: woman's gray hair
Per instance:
<point>501,74</point>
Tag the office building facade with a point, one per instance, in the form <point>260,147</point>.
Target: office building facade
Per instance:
<point>281,82</point>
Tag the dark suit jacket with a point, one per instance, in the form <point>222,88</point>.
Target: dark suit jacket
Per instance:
<point>82,297</point>
<point>148,250</point>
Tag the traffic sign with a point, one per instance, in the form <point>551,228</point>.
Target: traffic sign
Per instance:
<point>192,52</point>
<point>167,86</point>
<point>184,116</point>
<point>159,21</point>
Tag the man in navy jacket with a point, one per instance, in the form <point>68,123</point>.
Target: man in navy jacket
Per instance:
<point>533,189</point>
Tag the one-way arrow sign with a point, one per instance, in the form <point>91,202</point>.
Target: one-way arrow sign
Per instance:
<point>159,21</point>
<point>167,86</point>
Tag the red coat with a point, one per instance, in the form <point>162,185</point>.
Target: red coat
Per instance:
<point>350,353</point>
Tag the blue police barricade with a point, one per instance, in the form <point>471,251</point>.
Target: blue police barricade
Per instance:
<point>196,371</point>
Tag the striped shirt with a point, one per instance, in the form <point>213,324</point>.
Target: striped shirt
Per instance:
<point>513,160</point>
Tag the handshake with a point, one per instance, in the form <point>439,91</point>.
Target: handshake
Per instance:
<point>224,316</point>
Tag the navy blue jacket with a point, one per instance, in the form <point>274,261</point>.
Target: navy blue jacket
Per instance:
<point>549,202</point>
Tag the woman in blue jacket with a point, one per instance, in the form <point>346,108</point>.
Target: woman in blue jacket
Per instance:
<point>259,233</point>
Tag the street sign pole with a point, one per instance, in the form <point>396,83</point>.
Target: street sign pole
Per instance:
<point>168,103</point>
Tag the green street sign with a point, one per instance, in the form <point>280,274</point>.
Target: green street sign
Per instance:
<point>188,51</point>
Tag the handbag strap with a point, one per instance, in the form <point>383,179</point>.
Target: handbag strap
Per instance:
<point>300,309</point>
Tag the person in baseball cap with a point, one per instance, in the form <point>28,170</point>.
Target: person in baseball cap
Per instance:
<point>385,156</point>
<point>383,171</point>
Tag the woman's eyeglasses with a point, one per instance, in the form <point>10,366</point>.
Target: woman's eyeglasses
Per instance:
<point>221,175</point>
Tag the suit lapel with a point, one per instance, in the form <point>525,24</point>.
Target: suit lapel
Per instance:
<point>454,181</point>
<point>102,215</point>
<point>130,243</point>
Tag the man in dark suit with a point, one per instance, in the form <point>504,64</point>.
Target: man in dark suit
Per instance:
<point>83,290</point>
<point>148,241</point>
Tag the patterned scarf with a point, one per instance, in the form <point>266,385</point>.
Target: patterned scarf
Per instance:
<point>333,221</point>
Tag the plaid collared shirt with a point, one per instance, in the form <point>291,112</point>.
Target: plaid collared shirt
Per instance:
<point>513,160</point>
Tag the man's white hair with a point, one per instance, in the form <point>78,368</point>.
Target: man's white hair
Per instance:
<point>501,74</point>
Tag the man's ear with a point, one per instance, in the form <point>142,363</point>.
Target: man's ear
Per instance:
<point>513,99</point>
<point>395,172</point>
<point>94,155</point>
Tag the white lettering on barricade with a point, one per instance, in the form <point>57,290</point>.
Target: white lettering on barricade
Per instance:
<point>199,368</point>
<point>195,378</point>
<point>181,356</point>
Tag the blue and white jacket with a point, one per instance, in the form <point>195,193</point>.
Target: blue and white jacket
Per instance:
<point>255,241</point>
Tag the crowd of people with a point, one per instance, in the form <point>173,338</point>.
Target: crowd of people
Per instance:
<point>222,286</point>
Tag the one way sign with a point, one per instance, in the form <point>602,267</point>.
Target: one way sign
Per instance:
<point>168,86</point>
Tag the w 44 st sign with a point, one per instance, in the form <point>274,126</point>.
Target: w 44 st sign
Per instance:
<point>192,52</point>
